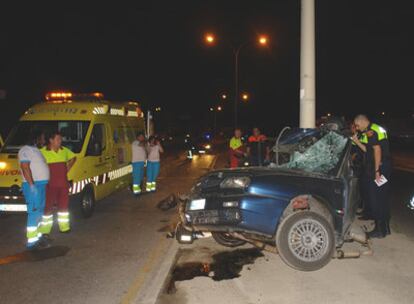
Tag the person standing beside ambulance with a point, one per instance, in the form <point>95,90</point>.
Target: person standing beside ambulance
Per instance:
<point>35,175</point>
<point>60,160</point>
<point>139,157</point>
<point>154,149</point>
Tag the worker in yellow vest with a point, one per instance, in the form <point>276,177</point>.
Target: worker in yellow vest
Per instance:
<point>377,167</point>
<point>236,148</point>
<point>60,160</point>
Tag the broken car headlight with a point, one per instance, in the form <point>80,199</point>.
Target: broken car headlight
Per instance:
<point>237,182</point>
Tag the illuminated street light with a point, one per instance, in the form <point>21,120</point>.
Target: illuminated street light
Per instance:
<point>224,96</point>
<point>211,109</point>
<point>263,40</point>
<point>219,108</point>
<point>209,38</point>
<point>245,96</point>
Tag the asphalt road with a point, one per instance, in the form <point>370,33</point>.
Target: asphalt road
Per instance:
<point>113,256</point>
<point>122,255</point>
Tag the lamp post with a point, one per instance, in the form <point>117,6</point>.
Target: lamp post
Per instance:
<point>262,41</point>
<point>215,110</point>
<point>307,65</point>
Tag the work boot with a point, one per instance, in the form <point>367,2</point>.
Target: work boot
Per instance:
<point>378,232</point>
<point>44,242</point>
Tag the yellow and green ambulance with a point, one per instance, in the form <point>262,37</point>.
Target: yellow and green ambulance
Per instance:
<point>98,131</point>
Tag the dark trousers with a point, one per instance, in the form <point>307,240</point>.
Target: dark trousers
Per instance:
<point>364,190</point>
<point>379,196</point>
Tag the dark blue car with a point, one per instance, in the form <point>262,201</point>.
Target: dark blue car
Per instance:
<point>304,206</point>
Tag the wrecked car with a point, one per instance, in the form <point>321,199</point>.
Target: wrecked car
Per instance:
<point>303,206</point>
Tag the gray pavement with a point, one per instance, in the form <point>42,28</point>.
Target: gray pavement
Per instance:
<point>122,255</point>
<point>386,277</point>
<point>115,257</point>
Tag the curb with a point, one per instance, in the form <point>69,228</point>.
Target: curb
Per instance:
<point>152,289</point>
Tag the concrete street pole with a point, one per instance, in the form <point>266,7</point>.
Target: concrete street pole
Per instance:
<point>307,65</point>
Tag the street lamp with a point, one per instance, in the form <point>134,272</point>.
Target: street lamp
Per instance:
<point>215,111</point>
<point>209,38</point>
<point>223,96</point>
<point>245,96</point>
<point>263,41</point>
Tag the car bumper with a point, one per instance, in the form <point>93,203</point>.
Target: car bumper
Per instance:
<point>247,214</point>
<point>10,203</point>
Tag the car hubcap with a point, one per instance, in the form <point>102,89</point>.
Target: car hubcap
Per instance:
<point>308,240</point>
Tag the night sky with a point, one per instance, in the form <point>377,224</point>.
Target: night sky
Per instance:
<point>154,53</point>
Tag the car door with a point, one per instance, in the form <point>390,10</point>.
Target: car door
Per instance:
<point>352,193</point>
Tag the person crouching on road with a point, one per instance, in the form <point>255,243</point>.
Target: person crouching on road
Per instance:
<point>139,156</point>
<point>153,165</point>
<point>60,160</point>
<point>35,175</point>
<point>236,148</point>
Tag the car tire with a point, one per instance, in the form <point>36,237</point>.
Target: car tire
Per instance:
<point>305,241</point>
<point>227,240</point>
<point>87,203</point>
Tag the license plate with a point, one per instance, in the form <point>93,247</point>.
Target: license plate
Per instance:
<point>198,204</point>
<point>13,207</point>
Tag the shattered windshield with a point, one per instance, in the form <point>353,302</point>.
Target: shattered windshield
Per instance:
<point>321,157</point>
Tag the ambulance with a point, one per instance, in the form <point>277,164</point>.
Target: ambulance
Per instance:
<point>98,131</point>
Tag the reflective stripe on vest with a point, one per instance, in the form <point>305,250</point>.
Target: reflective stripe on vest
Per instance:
<point>382,133</point>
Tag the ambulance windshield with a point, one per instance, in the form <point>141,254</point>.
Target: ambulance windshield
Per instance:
<point>73,134</point>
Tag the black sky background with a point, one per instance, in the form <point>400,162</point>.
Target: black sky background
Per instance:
<point>153,52</point>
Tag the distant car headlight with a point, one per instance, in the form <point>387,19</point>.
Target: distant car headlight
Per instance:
<point>3,165</point>
<point>198,204</point>
<point>238,182</point>
<point>207,147</point>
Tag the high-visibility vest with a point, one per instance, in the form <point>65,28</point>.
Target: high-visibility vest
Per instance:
<point>382,133</point>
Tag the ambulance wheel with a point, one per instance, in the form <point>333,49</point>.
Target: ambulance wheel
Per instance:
<point>87,203</point>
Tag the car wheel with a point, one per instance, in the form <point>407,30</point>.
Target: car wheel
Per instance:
<point>227,240</point>
<point>305,241</point>
<point>87,203</point>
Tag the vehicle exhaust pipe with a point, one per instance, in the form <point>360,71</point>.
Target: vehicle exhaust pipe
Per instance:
<point>256,243</point>
<point>360,238</point>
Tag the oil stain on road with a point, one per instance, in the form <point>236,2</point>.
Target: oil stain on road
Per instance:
<point>225,265</point>
<point>35,255</point>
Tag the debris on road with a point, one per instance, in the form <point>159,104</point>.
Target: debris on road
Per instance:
<point>226,265</point>
<point>168,203</point>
